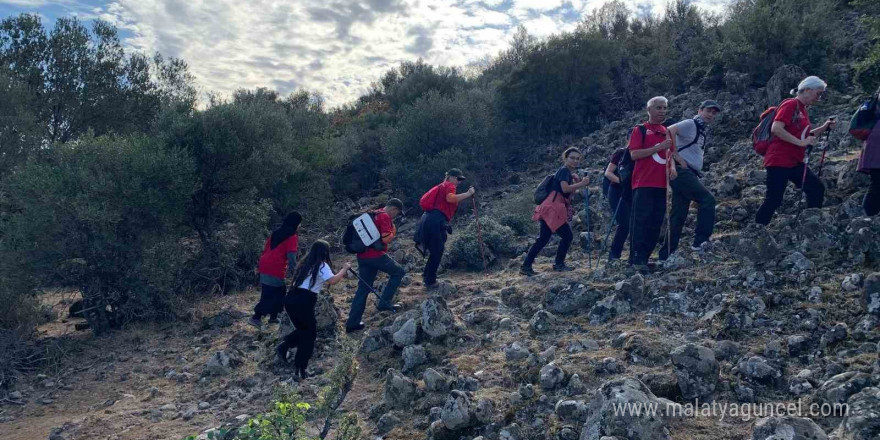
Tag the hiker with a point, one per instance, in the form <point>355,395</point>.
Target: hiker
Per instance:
<point>313,272</point>
<point>371,262</point>
<point>439,204</point>
<point>620,201</point>
<point>279,257</point>
<point>784,160</point>
<point>869,163</point>
<point>690,143</point>
<point>554,213</point>
<point>649,147</point>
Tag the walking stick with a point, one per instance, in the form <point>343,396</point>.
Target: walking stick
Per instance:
<point>378,298</point>
<point>610,227</point>
<point>825,147</point>
<point>479,233</point>
<point>806,162</point>
<point>670,162</point>
<point>589,230</point>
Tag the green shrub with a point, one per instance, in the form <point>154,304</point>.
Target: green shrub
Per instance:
<point>515,211</point>
<point>464,248</point>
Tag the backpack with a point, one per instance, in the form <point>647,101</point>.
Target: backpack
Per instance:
<point>544,189</point>
<point>361,234</point>
<point>626,165</point>
<point>430,196</point>
<point>864,119</point>
<point>761,135</point>
<point>700,131</point>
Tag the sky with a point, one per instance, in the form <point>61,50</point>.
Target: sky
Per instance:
<point>336,48</point>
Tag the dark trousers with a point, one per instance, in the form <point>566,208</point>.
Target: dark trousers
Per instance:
<point>300,306</point>
<point>872,198</point>
<point>434,238</point>
<point>648,213</point>
<point>564,232</point>
<point>271,302</point>
<point>687,188</point>
<point>777,181</point>
<point>620,200</point>
<point>368,269</point>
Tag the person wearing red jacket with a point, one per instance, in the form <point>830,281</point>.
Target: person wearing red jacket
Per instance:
<point>371,262</point>
<point>439,204</point>
<point>278,258</point>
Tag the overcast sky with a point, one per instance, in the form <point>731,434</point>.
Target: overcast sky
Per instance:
<point>334,47</point>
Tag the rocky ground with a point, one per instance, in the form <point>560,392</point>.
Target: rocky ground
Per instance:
<point>787,314</point>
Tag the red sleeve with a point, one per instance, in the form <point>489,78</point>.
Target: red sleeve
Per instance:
<point>785,112</point>
<point>383,223</point>
<point>293,246</point>
<point>636,140</point>
<point>449,188</point>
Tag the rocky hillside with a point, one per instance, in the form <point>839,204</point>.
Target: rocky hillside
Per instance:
<point>785,315</point>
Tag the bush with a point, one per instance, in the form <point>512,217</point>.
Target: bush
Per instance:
<point>86,216</point>
<point>464,248</point>
<point>516,211</point>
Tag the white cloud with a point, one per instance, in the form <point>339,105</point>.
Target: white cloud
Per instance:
<point>334,47</point>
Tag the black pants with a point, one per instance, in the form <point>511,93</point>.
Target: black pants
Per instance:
<point>300,306</point>
<point>686,188</point>
<point>271,302</point>
<point>777,181</point>
<point>648,213</point>
<point>434,238</point>
<point>563,232</point>
<point>620,201</point>
<point>872,198</point>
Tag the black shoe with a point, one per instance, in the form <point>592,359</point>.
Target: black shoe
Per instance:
<point>256,322</point>
<point>562,268</point>
<point>273,321</point>
<point>303,374</point>
<point>355,328</point>
<point>393,309</point>
<point>527,271</point>
<point>432,286</point>
<point>281,354</point>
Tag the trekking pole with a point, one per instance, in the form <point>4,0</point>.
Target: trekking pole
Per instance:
<point>806,162</point>
<point>366,284</point>
<point>610,227</point>
<point>479,233</point>
<point>825,147</point>
<point>589,231</point>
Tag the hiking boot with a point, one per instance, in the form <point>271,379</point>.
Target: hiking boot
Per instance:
<point>527,271</point>
<point>273,321</point>
<point>432,286</point>
<point>256,322</point>
<point>355,328</point>
<point>303,374</point>
<point>393,308</point>
<point>562,268</point>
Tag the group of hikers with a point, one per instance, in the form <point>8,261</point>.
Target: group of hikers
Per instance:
<point>658,158</point>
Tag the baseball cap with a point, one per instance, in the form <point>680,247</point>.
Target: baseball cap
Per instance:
<point>455,172</point>
<point>710,104</point>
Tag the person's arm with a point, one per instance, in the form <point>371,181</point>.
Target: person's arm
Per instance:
<point>568,189</point>
<point>778,130</point>
<point>291,261</point>
<point>829,124</point>
<point>455,198</point>
<point>648,152</point>
<point>339,276</point>
<point>609,173</point>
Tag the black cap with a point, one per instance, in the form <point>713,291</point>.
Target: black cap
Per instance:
<point>455,172</point>
<point>710,104</point>
<point>396,203</point>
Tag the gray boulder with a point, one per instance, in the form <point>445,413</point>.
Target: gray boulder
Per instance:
<point>386,423</point>
<point>787,428</point>
<point>406,335</point>
<point>696,370</point>
<point>485,411</point>
<point>871,297</point>
<point>569,299</point>
<point>400,390</point>
<point>435,381</point>
<point>457,412</point>
<point>413,356</point>
<point>541,322</point>
<point>437,319</point>
<point>605,418</point>
<point>551,376</point>
<point>760,370</point>
<point>221,363</point>
<point>841,387</point>
<point>571,411</point>
<point>863,420</point>
<point>783,80</point>
<point>757,244</point>
<point>516,352</point>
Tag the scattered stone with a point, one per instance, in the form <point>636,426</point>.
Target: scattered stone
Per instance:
<point>610,365</point>
<point>757,244</point>
<point>516,352</point>
<point>696,370</point>
<point>400,390</point>
<point>815,294</point>
<point>204,405</point>
<point>413,356</point>
<point>485,410</point>
<point>406,335</point>
<point>571,411</point>
<point>871,298</point>
<point>541,322</point>
<point>221,363</point>
<point>570,298</point>
<point>852,282</point>
<point>510,432</point>
<point>797,262</point>
<point>793,428</point>
<point>606,420</point>
<point>168,407</point>
<point>386,423</point>
<point>758,369</point>
<point>435,381</point>
<point>551,376</point>
<point>863,420</point>
<point>576,385</point>
<point>841,387</point>
<point>456,412</point>
<point>797,345</point>
<point>834,335</point>
<point>437,319</point>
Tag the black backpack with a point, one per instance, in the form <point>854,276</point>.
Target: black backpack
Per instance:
<point>700,132</point>
<point>544,189</point>
<point>352,242</point>
<point>626,164</point>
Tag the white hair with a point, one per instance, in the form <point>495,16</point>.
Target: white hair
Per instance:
<point>657,99</point>
<point>810,83</point>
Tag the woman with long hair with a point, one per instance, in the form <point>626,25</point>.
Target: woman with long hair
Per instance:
<point>278,258</point>
<point>315,270</point>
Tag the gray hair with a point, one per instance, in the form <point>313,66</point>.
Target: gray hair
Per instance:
<point>810,83</point>
<point>657,99</point>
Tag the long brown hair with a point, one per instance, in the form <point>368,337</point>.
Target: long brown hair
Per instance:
<point>311,264</point>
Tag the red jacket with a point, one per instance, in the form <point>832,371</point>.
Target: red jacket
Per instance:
<point>553,210</point>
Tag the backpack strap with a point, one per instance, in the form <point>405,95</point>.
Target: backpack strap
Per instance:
<point>696,138</point>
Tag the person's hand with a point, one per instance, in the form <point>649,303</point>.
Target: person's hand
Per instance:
<point>346,266</point>
<point>664,145</point>
<point>830,123</point>
<point>471,191</point>
<point>672,173</point>
<point>810,140</point>
<point>584,182</point>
